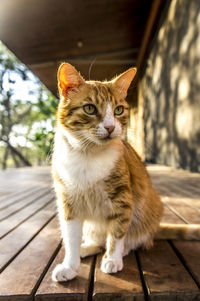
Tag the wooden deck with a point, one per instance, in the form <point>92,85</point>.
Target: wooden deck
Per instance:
<point>30,245</point>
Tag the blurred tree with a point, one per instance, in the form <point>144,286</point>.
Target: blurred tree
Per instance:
<point>23,120</point>
<point>43,135</point>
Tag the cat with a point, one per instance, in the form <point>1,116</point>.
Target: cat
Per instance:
<point>104,194</point>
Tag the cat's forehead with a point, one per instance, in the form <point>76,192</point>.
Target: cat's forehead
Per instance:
<point>98,93</point>
<point>102,93</point>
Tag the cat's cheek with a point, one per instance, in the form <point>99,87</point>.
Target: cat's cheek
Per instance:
<point>73,141</point>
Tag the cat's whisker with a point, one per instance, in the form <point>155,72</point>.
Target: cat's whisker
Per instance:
<point>86,142</point>
<point>90,68</point>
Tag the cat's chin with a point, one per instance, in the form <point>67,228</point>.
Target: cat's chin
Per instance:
<point>99,144</point>
<point>108,139</point>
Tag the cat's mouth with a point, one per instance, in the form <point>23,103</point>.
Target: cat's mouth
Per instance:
<point>106,138</point>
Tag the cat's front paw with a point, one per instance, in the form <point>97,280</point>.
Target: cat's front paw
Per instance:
<point>62,273</point>
<point>111,265</point>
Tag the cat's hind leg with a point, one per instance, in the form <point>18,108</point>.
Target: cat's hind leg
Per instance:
<point>93,239</point>
<point>88,249</point>
<point>133,242</point>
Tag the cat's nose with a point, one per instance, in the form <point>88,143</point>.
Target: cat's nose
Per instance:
<point>110,128</point>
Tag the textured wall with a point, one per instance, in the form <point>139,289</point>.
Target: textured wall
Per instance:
<point>171,89</point>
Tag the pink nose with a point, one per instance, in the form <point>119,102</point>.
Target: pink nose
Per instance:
<point>110,128</point>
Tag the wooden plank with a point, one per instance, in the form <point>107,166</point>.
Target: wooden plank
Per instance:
<point>170,217</point>
<point>186,207</point>
<point>177,214</point>
<point>124,285</point>
<point>20,180</point>
<point>171,197</point>
<point>6,201</point>
<point>165,276</point>
<point>176,190</point>
<point>23,203</point>
<point>19,279</point>
<point>190,253</point>
<point>12,193</point>
<point>182,182</point>
<point>4,192</point>
<point>178,187</point>
<point>15,220</point>
<point>190,202</point>
<point>189,214</point>
<point>180,173</point>
<point>16,240</point>
<point>76,289</point>
<point>26,177</point>
<point>186,188</point>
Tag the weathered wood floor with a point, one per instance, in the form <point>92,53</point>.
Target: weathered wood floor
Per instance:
<point>30,245</point>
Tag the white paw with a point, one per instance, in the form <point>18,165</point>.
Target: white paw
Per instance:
<point>111,265</point>
<point>62,273</point>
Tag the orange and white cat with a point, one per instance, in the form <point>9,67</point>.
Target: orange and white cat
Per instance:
<point>104,194</point>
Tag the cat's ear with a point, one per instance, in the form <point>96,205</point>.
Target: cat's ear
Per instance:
<point>123,81</point>
<point>69,79</point>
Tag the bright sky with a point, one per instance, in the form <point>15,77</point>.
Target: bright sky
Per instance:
<point>22,89</point>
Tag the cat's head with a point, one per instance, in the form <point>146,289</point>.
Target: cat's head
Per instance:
<point>92,112</point>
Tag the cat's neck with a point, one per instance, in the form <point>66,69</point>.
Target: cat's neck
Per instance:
<point>84,168</point>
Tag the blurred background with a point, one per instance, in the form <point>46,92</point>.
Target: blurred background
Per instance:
<point>27,114</point>
<point>101,38</point>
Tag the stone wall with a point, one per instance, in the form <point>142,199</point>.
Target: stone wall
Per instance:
<point>171,89</point>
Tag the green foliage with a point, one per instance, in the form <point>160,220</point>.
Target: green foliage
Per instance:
<point>43,141</point>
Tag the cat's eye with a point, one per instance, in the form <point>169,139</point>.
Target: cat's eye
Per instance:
<point>119,110</point>
<point>90,109</point>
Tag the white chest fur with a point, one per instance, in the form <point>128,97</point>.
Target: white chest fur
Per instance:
<point>83,170</point>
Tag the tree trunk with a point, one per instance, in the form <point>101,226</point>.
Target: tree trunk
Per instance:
<point>14,157</point>
<point>17,153</point>
<point>5,157</point>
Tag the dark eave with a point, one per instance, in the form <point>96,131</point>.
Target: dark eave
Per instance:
<point>100,38</point>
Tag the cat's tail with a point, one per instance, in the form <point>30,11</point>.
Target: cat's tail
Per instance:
<point>178,231</point>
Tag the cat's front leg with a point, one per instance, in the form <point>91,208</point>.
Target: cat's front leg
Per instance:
<point>71,232</point>
<point>71,228</point>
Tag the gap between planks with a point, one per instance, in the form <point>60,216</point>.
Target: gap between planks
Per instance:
<point>76,289</point>
<point>14,198</point>
<point>8,250</point>
<point>165,276</point>
<point>12,223</point>
<point>24,275</point>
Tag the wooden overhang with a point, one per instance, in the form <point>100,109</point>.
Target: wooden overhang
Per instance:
<point>100,38</point>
